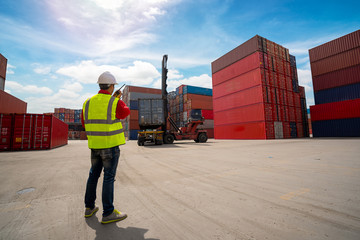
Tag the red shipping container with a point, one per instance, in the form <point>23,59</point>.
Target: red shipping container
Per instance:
<point>300,130</point>
<point>207,114</point>
<point>249,113</point>
<point>336,110</point>
<point>269,129</point>
<point>288,83</point>
<point>11,104</point>
<point>239,99</point>
<point>302,92</point>
<point>242,82</point>
<point>284,113</point>
<point>285,100</point>
<point>286,129</point>
<point>270,112</point>
<point>38,131</point>
<point>336,62</point>
<point>287,70</point>
<point>238,68</point>
<point>292,114</point>
<point>298,114</point>
<point>338,78</point>
<point>290,96</point>
<point>5,131</point>
<point>336,46</point>
<point>297,102</point>
<point>282,81</point>
<point>254,130</point>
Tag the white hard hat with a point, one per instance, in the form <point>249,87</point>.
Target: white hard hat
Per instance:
<point>106,78</point>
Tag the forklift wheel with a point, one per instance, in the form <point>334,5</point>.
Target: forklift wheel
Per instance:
<point>202,137</point>
<point>140,143</point>
<point>168,139</point>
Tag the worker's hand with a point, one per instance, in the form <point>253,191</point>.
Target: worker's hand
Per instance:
<point>117,93</point>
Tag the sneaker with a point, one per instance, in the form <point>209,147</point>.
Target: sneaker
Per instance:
<point>89,212</point>
<point>115,216</point>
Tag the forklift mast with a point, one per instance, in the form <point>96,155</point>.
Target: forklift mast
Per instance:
<point>164,93</point>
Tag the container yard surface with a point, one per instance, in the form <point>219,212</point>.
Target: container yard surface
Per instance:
<point>222,189</point>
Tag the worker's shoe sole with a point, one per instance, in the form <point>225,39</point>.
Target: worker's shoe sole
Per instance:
<point>115,216</point>
<point>89,212</point>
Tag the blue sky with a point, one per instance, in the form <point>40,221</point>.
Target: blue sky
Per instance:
<point>56,49</point>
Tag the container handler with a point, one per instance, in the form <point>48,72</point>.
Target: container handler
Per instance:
<point>155,123</point>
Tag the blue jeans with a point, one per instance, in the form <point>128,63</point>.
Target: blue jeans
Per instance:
<point>108,159</point>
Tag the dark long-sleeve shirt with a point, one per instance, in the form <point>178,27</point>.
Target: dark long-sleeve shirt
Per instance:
<point>122,111</point>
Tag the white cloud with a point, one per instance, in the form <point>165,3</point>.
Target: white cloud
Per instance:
<point>174,74</point>
<point>42,70</point>
<point>9,69</point>
<point>152,12</point>
<point>203,80</point>
<point>140,73</point>
<point>28,89</point>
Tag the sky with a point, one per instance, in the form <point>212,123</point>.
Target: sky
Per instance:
<point>56,49</point>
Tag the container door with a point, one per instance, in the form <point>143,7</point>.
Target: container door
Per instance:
<point>41,131</point>
<point>22,133</point>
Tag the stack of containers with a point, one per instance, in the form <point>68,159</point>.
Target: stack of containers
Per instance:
<point>73,118</point>
<point>256,93</point>
<point>32,132</point>
<point>189,100</point>
<point>68,115</point>
<point>335,68</point>
<point>131,95</point>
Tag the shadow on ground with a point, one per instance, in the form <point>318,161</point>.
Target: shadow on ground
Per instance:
<point>112,231</point>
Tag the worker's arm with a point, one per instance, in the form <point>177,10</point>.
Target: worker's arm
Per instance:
<point>122,111</point>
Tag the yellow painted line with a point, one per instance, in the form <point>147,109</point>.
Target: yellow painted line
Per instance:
<point>291,195</point>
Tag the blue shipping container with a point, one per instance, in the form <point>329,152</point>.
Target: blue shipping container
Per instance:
<point>133,134</point>
<point>134,105</point>
<point>197,90</point>
<point>337,128</point>
<point>338,94</point>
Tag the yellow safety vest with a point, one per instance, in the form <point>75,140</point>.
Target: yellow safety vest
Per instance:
<point>102,128</point>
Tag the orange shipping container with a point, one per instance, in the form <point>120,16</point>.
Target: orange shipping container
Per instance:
<point>142,90</point>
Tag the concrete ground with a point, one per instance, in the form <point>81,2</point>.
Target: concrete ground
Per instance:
<point>275,189</point>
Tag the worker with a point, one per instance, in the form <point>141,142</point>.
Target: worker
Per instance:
<point>101,116</point>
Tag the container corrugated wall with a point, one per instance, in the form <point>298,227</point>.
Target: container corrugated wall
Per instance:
<point>257,88</point>
<point>11,104</point>
<point>336,79</point>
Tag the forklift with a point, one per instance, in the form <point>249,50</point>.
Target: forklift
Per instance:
<point>160,133</point>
